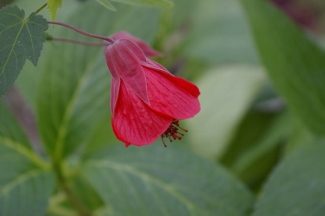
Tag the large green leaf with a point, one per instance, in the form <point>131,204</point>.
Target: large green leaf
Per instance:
<point>20,39</point>
<point>101,137</point>
<point>25,186</point>
<point>86,193</point>
<point>13,137</point>
<point>75,84</point>
<point>27,194</point>
<point>297,186</point>
<point>164,181</point>
<point>220,34</point>
<point>226,94</point>
<point>299,136</point>
<point>10,129</point>
<point>255,162</point>
<point>295,64</point>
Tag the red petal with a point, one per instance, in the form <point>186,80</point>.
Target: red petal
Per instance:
<point>123,60</point>
<point>148,51</point>
<point>171,95</point>
<point>115,86</point>
<point>134,122</point>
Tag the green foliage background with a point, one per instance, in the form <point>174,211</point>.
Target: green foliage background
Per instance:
<point>256,148</point>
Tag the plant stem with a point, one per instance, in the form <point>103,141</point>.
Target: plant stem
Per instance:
<point>82,32</point>
<point>41,8</point>
<point>64,184</point>
<point>77,41</point>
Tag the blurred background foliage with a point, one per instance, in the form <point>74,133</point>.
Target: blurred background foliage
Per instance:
<point>256,147</point>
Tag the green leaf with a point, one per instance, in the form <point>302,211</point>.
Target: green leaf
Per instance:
<point>20,39</point>
<point>255,162</point>
<point>226,94</point>
<point>23,177</point>
<point>106,4</point>
<point>227,38</point>
<point>101,137</point>
<point>86,193</point>
<point>10,129</point>
<point>164,181</point>
<point>13,137</point>
<point>147,3</point>
<point>294,63</point>
<point>53,6</point>
<point>75,83</point>
<point>299,136</point>
<point>297,186</point>
<point>25,185</point>
<point>30,189</point>
<point>255,120</point>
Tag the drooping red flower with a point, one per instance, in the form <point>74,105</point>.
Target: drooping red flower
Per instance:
<point>146,100</point>
<point>148,51</point>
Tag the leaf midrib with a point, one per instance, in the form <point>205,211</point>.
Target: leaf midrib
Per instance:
<point>19,180</point>
<point>63,128</point>
<point>24,151</point>
<point>14,45</point>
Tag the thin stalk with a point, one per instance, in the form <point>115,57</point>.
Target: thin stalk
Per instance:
<point>77,41</point>
<point>82,32</point>
<point>64,184</point>
<point>41,8</point>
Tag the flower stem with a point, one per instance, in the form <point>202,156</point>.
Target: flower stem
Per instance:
<point>41,8</point>
<point>82,32</point>
<point>76,41</point>
<point>65,186</point>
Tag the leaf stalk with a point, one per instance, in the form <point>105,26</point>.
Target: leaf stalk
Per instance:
<point>76,41</point>
<point>41,8</point>
<point>66,187</point>
<point>109,40</point>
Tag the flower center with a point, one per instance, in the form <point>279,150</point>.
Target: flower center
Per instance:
<point>172,132</point>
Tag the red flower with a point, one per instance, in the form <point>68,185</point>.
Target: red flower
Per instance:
<point>148,51</point>
<point>145,98</point>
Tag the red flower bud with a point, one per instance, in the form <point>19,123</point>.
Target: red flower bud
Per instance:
<point>145,97</point>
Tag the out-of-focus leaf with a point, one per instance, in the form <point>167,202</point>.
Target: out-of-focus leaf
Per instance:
<point>106,4</point>
<point>20,39</point>
<point>24,185</point>
<point>142,3</point>
<point>13,137</point>
<point>297,186</point>
<point>102,136</point>
<point>147,3</point>
<point>255,162</point>
<point>299,136</point>
<point>278,130</point>
<point>220,34</point>
<point>86,193</point>
<point>252,128</point>
<point>75,84</point>
<point>10,129</point>
<point>295,64</point>
<point>26,82</point>
<point>53,6</point>
<point>159,181</point>
<point>30,189</point>
<point>254,148</point>
<point>226,94</point>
